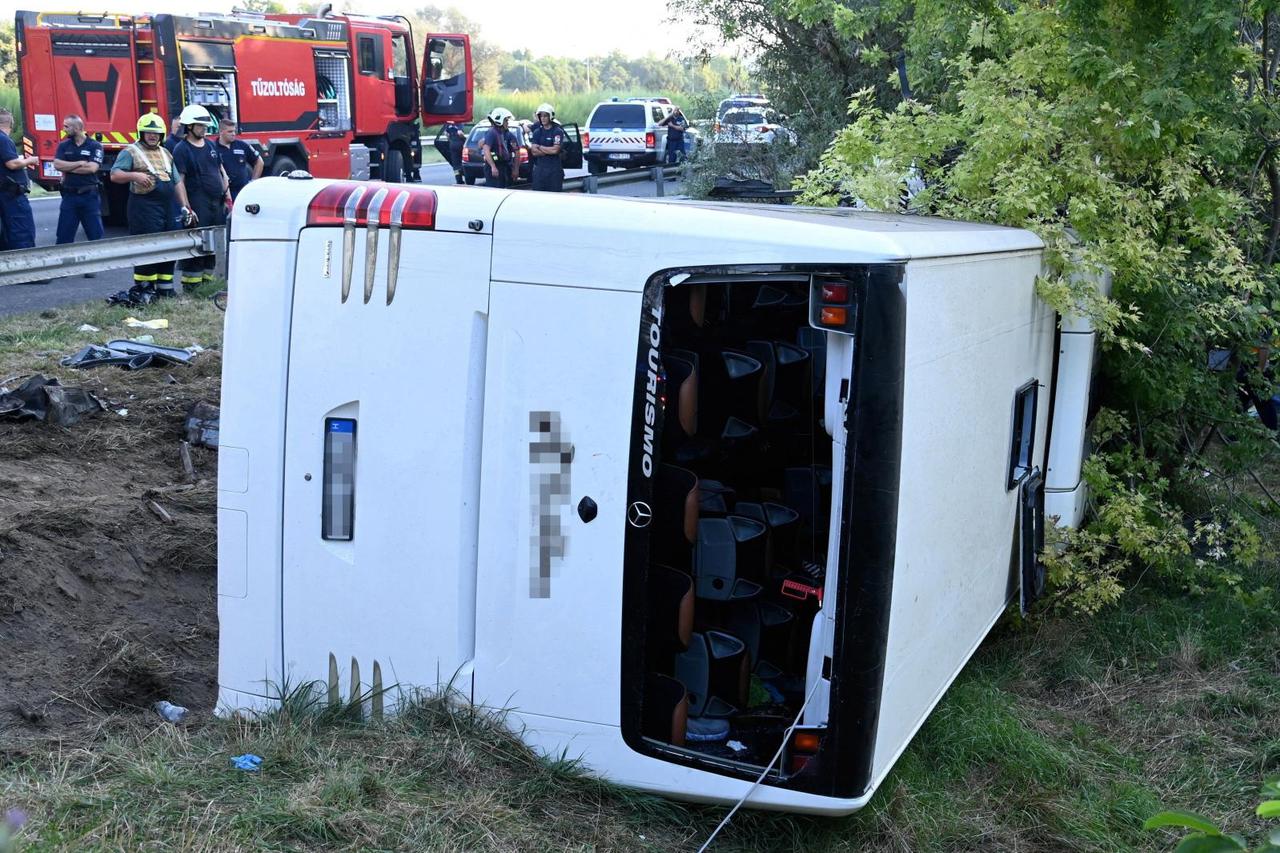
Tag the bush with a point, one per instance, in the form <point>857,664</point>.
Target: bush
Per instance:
<point>1126,147</point>
<point>10,101</point>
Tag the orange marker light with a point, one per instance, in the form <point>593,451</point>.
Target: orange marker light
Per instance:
<point>806,742</point>
<point>832,316</point>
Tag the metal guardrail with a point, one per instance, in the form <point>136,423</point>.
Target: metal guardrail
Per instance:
<point>593,183</point>
<point>21,266</point>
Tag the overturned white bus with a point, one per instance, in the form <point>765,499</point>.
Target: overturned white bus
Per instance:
<point>701,493</point>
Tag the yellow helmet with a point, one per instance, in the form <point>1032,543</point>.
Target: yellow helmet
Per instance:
<point>151,123</point>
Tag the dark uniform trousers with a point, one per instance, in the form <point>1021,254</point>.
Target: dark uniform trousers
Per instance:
<point>16,221</point>
<point>210,210</point>
<point>80,209</point>
<point>152,213</point>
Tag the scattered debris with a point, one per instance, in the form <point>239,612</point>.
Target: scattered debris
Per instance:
<point>49,401</point>
<point>29,713</point>
<point>136,296</point>
<point>171,712</point>
<point>87,328</point>
<point>248,762</point>
<point>132,354</point>
<point>184,453</point>
<point>135,323</point>
<point>160,512</point>
<point>201,426</point>
<point>124,413</point>
<point>143,339</point>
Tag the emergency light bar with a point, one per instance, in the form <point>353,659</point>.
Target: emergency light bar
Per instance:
<point>413,208</point>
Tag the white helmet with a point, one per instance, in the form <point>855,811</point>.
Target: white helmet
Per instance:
<point>545,108</point>
<point>196,114</point>
<point>498,115</point>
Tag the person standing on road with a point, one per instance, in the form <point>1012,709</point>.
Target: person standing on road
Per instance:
<point>78,158</point>
<point>17,225</point>
<point>457,139</point>
<point>499,151</point>
<point>147,167</point>
<point>544,147</point>
<point>175,134</point>
<point>676,124</point>
<point>239,160</point>
<point>202,178</point>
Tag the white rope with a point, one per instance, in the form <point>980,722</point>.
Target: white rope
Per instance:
<point>756,784</point>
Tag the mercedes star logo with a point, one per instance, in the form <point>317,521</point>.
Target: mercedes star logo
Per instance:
<point>639,514</point>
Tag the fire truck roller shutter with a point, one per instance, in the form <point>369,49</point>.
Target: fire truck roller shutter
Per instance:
<point>207,56</point>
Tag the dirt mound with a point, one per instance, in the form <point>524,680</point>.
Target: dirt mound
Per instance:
<point>104,604</point>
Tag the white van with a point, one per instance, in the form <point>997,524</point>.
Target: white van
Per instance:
<point>701,494</point>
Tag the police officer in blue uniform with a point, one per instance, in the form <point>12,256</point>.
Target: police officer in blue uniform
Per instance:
<point>544,147</point>
<point>676,124</point>
<point>498,150</point>
<point>239,160</point>
<point>17,225</point>
<point>201,176</point>
<point>457,139</point>
<point>78,158</point>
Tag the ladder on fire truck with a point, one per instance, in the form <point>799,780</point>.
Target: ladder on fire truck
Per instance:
<point>142,49</point>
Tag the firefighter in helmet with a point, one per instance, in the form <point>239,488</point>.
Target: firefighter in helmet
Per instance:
<point>499,150</point>
<point>201,175</point>
<point>153,182</point>
<point>544,148</point>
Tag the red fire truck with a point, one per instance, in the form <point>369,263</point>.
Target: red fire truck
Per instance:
<point>338,95</point>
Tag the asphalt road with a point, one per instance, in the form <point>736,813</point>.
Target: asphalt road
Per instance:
<point>23,298</point>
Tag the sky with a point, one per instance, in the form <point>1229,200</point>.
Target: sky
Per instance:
<point>511,24</point>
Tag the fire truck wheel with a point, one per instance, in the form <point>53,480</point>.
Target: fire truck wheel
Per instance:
<point>282,166</point>
<point>393,166</point>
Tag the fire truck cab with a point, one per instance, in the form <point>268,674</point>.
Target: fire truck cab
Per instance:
<point>338,96</point>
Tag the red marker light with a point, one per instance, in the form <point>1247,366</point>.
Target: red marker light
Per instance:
<point>347,202</point>
<point>586,140</point>
<point>833,316</point>
<point>650,140</point>
<point>835,293</point>
<point>466,155</point>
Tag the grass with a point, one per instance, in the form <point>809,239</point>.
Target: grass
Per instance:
<point>1063,733</point>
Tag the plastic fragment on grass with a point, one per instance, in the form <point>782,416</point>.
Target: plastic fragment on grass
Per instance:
<point>248,762</point>
<point>135,323</point>
<point>88,328</point>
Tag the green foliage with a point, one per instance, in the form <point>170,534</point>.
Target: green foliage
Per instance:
<point>1206,837</point>
<point>8,55</point>
<point>1123,140</point>
<point>10,100</point>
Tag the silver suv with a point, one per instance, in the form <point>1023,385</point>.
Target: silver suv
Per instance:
<point>625,133</point>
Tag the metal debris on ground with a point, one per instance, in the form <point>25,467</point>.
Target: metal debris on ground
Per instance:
<point>48,400</point>
<point>201,426</point>
<point>129,354</point>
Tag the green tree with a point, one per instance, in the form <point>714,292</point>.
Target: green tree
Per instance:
<point>8,55</point>
<point>1142,133</point>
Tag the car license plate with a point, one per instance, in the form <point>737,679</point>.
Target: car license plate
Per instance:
<point>619,156</point>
